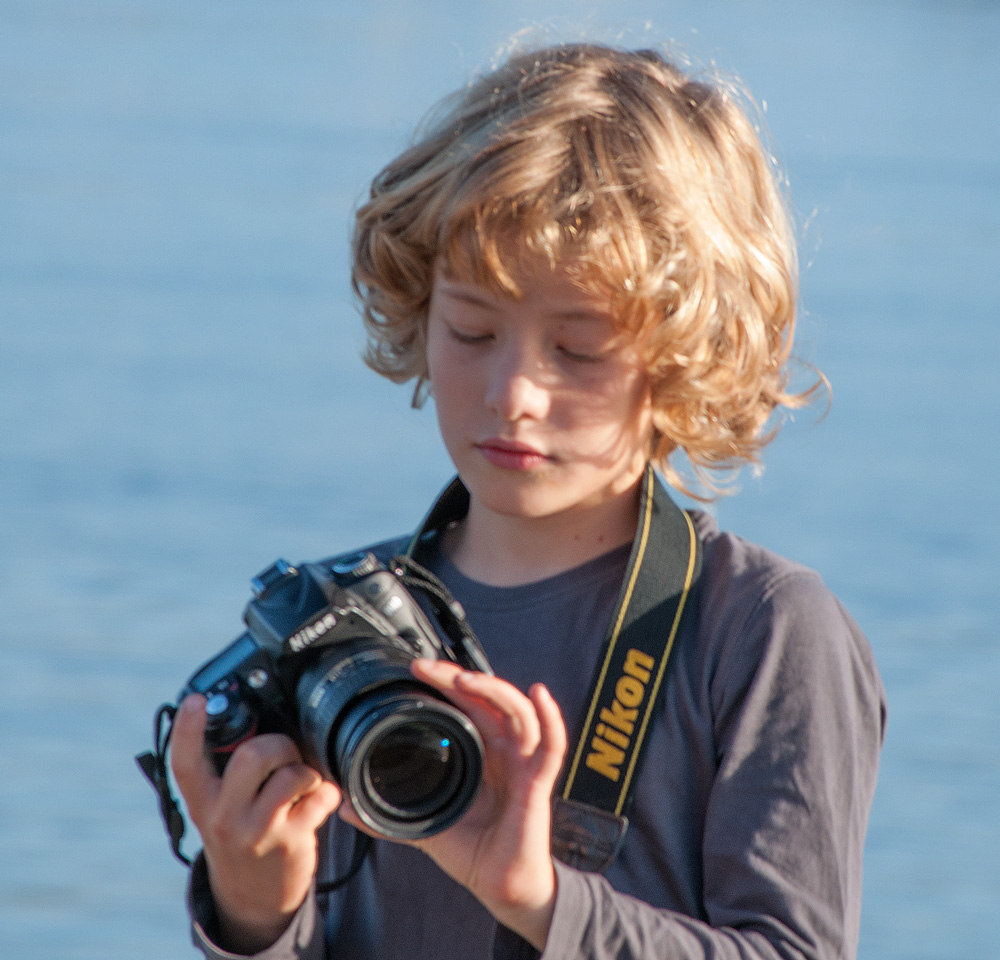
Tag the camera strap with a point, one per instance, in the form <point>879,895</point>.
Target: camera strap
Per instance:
<point>153,764</point>
<point>590,811</point>
<point>590,814</point>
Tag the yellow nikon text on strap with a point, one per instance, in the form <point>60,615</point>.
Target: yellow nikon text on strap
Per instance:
<point>613,734</point>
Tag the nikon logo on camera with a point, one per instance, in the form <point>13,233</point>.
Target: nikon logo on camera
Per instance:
<point>613,735</point>
<point>313,631</point>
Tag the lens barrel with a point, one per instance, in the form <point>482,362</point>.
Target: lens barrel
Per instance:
<point>409,761</point>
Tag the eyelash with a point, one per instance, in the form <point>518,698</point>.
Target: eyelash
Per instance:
<point>476,339</point>
<point>471,338</point>
<point>581,357</point>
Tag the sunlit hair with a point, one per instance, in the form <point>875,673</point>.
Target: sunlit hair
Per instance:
<point>651,186</point>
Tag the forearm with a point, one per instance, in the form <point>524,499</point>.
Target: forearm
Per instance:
<point>592,921</point>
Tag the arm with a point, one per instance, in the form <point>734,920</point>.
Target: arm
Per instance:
<point>795,712</point>
<point>797,718</point>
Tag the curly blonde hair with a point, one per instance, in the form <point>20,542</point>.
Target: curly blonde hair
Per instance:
<point>652,185</point>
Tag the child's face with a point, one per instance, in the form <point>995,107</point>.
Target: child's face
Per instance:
<point>542,407</point>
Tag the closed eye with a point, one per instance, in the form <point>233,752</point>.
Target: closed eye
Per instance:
<point>469,337</point>
<point>584,356</point>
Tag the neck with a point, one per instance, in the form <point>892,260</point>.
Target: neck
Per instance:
<point>507,551</point>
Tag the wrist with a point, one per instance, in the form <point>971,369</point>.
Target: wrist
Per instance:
<point>245,935</point>
<point>242,924</point>
<point>530,914</point>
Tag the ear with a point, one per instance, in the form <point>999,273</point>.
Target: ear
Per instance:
<point>421,392</point>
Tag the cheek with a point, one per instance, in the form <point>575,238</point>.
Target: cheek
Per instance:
<point>619,403</point>
<point>636,400</point>
<point>452,381</point>
<point>436,359</point>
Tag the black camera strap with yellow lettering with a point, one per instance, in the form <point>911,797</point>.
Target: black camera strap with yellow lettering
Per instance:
<point>590,810</point>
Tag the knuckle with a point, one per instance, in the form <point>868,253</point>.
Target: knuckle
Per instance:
<point>224,832</point>
<point>293,780</point>
<point>267,748</point>
<point>259,755</point>
<point>283,780</point>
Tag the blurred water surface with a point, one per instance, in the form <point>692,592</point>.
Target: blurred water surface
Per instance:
<point>181,399</point>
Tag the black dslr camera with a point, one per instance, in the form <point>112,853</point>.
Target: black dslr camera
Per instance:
<point>325,659</point>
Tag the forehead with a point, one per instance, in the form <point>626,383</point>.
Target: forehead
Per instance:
<point>551,296</point>
<point>563,289</point>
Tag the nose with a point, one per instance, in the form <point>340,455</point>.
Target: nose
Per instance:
<point>517,388</point>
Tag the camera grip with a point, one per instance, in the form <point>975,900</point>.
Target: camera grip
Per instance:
<point>230,723</point>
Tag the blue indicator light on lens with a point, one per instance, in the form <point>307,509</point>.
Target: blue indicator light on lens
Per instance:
<point>445,743</point>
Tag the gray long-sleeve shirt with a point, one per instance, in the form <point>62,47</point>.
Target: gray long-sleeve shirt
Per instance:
<point>749,815</point>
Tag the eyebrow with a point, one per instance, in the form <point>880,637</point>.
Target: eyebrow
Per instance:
<point>456,290</point>
<point>584,315</point>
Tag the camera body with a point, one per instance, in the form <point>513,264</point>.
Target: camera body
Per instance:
<point>326,660</point>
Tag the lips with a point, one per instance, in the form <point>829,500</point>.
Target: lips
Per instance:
<point>511,454</point>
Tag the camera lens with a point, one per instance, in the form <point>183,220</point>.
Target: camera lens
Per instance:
<point>410,762</point>
<point>412,766</point>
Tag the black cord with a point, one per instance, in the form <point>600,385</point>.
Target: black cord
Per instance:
<point>450,614</point>
<point>362,844</point>
<point>153,765</point>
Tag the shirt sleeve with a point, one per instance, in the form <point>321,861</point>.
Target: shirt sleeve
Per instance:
<point>303,940</point>
<point>798,718</point>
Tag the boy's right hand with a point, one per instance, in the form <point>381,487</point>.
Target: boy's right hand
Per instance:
<point>258,825</point>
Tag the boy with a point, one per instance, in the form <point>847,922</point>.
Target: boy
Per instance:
<point>587,262</point>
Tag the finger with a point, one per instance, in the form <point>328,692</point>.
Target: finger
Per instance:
<point>467,687</point>
<point>443,676</point>
<point>518,711</point>
<point>347,813</point>
<point>286,785</point>
<point>194,773</point>
<point>281,795</point>
<point>313,808</point>
<point>252,763</point>
<point>438,673</point>
<point>263,754</point>
<point>553,739</point>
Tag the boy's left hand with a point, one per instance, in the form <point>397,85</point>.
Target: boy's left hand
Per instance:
<point>500,850</point>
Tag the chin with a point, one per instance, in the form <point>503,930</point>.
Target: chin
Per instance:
<point>532,498</point>
<point>513,495</point>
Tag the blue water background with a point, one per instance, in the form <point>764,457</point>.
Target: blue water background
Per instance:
<point>181,399</point>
